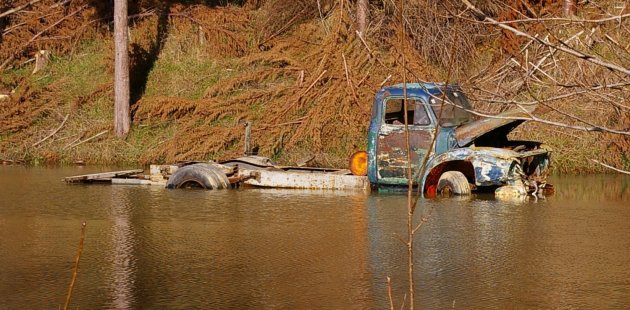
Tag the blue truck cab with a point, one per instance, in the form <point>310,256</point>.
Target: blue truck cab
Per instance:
<point>468,154</point>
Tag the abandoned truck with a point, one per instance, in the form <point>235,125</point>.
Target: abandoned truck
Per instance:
<point>467,155</point>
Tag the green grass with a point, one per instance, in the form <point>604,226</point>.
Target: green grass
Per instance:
<point>81,75</point>
<point>183,71</point>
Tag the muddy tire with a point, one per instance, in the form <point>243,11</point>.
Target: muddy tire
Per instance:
<point>453,183</point>
<point>203,176</point>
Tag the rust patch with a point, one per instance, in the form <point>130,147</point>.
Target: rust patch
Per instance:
<point>392,154</point>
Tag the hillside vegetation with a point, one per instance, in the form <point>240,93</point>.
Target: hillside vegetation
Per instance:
<point>299,72</point>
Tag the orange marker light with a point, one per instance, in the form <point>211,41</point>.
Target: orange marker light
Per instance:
<point>358,163</point>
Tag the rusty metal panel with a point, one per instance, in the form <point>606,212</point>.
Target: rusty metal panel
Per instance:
<point>490,170</point>
<point>467,133</point>
<point>391,158</point>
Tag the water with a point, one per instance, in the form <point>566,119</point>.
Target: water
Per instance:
<point>148,247</point>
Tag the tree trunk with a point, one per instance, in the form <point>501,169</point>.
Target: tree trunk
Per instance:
<point>122,118</point>
<point>362,16</point>
<point>568,7</point>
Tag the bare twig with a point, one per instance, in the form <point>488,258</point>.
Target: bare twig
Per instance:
<point>19,8</point>
<point>207,26</point>
<point>285,27</point>
<point>345,67</point>
<point>55,24</point>
<point>389,293</point>
<point>289,106</point>
<point>564,48</point>
<point>297,121</point>
<point>314,82</point>
<point>559,97</point>
<point>563,19</point>
<point>610,167</point>
<point>351,86</point>
<point>76,268</point>
<point>52,133</point>
<point>423,220</point>
<point>385,80</point>
<point>86,140</point>
<point>321,17</point>
<point>12,57</point>
<point>370,50</point>
<point>410,206</point>
<point>531,117</point>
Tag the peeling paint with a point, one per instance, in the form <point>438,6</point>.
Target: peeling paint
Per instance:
<point>494,161</point>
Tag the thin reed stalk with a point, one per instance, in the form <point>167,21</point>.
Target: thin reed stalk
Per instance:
<point>76,268</point>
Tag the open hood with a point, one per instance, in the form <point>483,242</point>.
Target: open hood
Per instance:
<point>498,126</point>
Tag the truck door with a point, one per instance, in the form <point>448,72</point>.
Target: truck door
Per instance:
<point>391,150</point>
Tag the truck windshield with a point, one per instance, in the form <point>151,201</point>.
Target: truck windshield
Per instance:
<point>453,111</point>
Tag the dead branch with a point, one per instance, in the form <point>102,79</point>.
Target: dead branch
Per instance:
<point>19,8</point>
<point>60,3</point>
<point>559,97</point>
<point>370,50</point>
<point>76,267</point>
<point>610,167</point>
<point>321,17</point>
<point>565,48</point>
<point>423,220</point>
<point>298,121</point>
<point>54,25</point>
<point>285,27</point>
<point>389,293</point>
<point>11,58</point>
<point>385,80</point>
<point>571,116</point>
<point>228,33</point>
<point>350,85</point>
<point>562,19</point>
<point>548,122</point>
<point>52,133</point>
<point>290,105</point>
<point>86,140</point>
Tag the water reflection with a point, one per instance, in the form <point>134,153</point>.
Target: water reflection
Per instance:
<point>148,247</point>
<point>597,188</point>
<point>123,260</point>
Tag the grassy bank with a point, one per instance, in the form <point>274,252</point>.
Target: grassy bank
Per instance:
<point>307,88</point>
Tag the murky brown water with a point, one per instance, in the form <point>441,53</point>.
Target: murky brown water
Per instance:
<point>148,247</point>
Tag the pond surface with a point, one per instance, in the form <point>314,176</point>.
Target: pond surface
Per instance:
<point>148,247</point>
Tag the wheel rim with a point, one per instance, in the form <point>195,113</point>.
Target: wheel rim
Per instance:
<point>446,191</point>
<point>191,184</point>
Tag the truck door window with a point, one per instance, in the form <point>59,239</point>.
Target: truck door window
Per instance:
<point>453,112</point>
<point>416,112</point>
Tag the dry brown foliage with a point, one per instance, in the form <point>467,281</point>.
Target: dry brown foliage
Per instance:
<point>222,31</point>
<point>317,112</point>
<point>310,92</point>
<point>47,25</point>
<point>307,82</point>
<point>567,90</point>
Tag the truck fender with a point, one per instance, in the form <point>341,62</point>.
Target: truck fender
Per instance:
<point>483,167</point>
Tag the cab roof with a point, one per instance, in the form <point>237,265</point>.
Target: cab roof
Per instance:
<point>418,89</point>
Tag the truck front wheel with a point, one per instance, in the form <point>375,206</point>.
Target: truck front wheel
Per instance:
<point>453,183</point>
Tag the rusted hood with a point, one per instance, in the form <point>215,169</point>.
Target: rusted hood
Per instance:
<point>501,124</point>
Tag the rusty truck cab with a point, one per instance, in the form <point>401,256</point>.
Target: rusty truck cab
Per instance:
<point>475,152</point>
<point>387,142</point>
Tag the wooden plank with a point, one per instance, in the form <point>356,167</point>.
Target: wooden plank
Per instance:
<point>103,176</point>
<point>284,179</point>
<point>131,181</point>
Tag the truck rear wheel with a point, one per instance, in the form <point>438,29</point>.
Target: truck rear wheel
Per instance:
<point>453,183</point>
<point>204,176</point>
